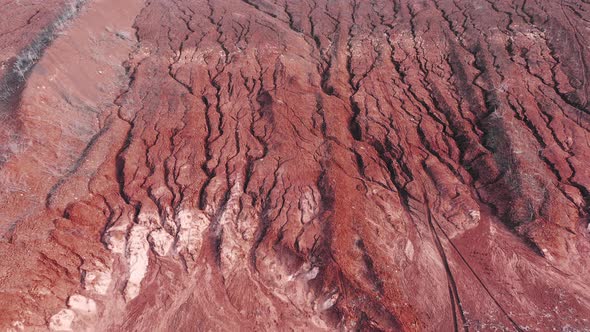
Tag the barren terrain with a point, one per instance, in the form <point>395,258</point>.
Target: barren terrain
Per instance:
<point>294,165</point>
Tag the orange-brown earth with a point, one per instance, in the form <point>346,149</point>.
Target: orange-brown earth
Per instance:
<point>260,165</point>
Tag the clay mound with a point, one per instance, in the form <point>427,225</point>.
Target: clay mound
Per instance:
<point>262,165</point>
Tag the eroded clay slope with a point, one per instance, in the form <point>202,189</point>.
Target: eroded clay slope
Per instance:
<point>302,165</point>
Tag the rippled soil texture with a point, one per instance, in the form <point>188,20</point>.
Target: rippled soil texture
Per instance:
<point>260,165</point>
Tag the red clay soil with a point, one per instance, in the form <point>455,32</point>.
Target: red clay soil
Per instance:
<point>305,165</point>
<point>21,23</point>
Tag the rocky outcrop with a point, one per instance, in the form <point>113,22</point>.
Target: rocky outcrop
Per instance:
<point>301,165</point>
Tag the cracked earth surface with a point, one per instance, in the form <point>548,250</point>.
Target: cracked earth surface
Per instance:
<point>188,165</point>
